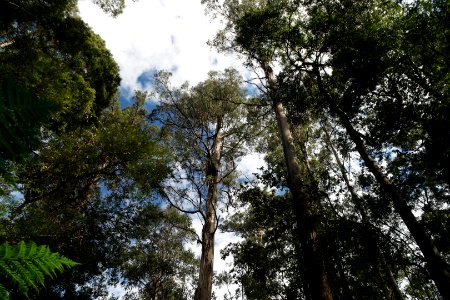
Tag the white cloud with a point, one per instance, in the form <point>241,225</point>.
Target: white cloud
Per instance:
<point>250,164</point>
<point>151,34</point>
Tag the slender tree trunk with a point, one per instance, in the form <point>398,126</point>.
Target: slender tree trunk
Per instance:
<point>204,288</point>
<point>392,283</point>
<point>315,279</point>
<point>436,265</point>
<point>389,276</point>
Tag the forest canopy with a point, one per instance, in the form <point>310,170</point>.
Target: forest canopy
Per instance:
<point>348,104</point>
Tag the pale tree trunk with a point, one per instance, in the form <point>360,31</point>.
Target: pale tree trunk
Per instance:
<point>315,279</point>
<point>435,264</point>
<point>204,288</point>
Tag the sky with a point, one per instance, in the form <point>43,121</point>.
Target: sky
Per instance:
<point>152,35</point>
<point>155,35</point>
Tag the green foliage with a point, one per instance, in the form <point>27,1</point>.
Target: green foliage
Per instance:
<point>206,131</point>
<point>193,117</point>
<point>91,185</point>
<point>158,264</point>
<point>56,55</point>
<point>112,7</point>
<point>264,260</point>
<point>27,264</point>
<point>260,31</point>
<point>72,165</point>
<point>384,66</point>
<point>82,192</point>
<point>21,115</point>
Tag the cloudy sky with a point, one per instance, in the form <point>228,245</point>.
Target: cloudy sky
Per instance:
<point>159,34</point>
<point>165,35</point>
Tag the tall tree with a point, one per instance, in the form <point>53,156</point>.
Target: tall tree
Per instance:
<point>363,76</point>
<point>364,60</point>
<point>379,60</point>
<point>206,132</point>
<point>255,30</point>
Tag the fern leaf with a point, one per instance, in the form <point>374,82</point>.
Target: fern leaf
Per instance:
<point>22,248</point>
<point>43,267</point>
<point>4,295</point>
<point>38,275</point>
<point>32,249</point>
<point>5,252</point>
<point>27,264</point>
<point>11,274</point>
<point>26,277</point>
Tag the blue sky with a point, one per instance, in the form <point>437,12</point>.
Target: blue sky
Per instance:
<point>171,35</point>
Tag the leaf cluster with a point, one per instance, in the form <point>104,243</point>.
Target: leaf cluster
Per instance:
<point>21,115</point>
<point>55,55</point>
<point>26,265</point>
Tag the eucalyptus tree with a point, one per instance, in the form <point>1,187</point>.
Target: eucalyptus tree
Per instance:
<point>358,74</point>
<point>367,73</point>
<point>206,131</point>
<point>353,267</point>
<point>361,75</point>
<point>255,29</point>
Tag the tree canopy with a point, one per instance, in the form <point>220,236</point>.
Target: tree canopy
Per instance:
<point>351,116</point>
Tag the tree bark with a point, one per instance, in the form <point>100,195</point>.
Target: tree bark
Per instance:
<point>204,288</point>
<point>315,279</point>
<point>436,265</point>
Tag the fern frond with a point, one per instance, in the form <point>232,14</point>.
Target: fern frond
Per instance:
<point>26,276</point>
<point>22,249</point>
<point>44,268</point>
<point>5,252</point>
<point>3,293</point>
<point>27,264</point>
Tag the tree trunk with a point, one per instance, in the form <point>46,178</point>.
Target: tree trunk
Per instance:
<point>392,283</point>
<point>204,288</point>
<point>207,258</point>
<point>315,279</point>
<point>389,276</point>
<point>436,265</point>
